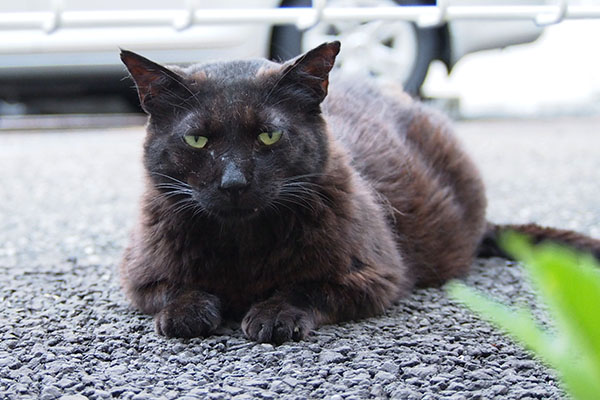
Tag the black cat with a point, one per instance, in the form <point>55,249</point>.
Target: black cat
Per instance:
<point>271,200</point>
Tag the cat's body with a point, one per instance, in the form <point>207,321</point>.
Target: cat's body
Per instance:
<point>341,210</point>
<point>408,155</point>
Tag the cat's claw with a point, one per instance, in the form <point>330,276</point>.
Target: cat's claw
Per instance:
<point>270,322</point>
<point>188,320</point>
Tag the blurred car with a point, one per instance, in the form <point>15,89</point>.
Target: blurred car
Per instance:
<point>39,62</point>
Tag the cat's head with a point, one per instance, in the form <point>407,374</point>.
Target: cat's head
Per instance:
<point>235,139</point>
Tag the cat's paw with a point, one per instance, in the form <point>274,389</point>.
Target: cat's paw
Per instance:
<point>276,322</point>
<point>190,315</point>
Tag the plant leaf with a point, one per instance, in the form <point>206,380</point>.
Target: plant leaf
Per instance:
<point>575,367</point>
<point>569,283</point>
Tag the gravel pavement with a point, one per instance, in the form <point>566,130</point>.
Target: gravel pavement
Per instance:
<point>67,200</point>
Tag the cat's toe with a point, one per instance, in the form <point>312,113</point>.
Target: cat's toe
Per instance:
<point>187,320</point>
<point>270,323</point>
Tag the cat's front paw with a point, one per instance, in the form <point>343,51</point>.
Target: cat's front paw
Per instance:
<point>190,315</point>
<point>276,322</point>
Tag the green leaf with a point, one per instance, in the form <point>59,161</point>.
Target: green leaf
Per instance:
<point>518,323</point>
<point>569,283</point>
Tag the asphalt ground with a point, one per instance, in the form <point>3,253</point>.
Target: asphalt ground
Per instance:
<point>68,198</point>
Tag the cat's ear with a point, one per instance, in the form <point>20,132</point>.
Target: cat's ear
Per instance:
<point>311,69</point>
<point>151,79</point>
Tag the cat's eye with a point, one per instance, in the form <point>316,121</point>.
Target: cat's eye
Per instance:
<point>269,138</point>
<point>195,141</point>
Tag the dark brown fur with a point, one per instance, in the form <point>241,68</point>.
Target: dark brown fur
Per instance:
<point>388,199</point>
<point>536,234</point>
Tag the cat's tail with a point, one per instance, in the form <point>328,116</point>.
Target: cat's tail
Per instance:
<point>489,246</point>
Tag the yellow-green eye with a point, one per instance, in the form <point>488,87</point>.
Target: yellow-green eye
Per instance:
<point>269,138</point>
<point>196,141</point>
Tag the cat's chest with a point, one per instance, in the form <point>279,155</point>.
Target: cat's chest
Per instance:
<point>237,251</point>
<point>244,264</point>
<point>237,271</point>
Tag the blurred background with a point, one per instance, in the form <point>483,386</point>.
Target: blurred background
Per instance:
<point>473,58</point>
<point>521,76</point>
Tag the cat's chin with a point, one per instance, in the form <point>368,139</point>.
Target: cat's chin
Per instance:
<point>236,214</point>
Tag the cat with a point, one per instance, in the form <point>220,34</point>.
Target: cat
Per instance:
<point>274,198</point>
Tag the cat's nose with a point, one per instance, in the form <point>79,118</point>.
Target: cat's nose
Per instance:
<point>233,180</point>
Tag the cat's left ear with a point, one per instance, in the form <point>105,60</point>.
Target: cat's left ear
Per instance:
<point>311,69</point>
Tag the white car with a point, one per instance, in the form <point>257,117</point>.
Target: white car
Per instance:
<point>62,48</point>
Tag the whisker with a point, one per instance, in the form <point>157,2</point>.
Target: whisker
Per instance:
<point>185,200</point>
<point>168,185</point>
<point>170,177</point>
<point>311,175</point>
<point>170,189</point>
<point>187,205</point>
<point>302,189</point>
<point>177,188</point>
<point>199,210</point>
<point>298,200</point>
<point>277,202</point>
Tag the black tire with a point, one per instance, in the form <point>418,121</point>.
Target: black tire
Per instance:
<point>427,51</point>
<point>286,43</point>
<point>286,40</point>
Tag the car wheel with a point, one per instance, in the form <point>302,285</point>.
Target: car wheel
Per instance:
<point>392,50</point>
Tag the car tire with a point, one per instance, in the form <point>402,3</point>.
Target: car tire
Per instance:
<point>286,40</point>
<point>286,43</point>
<point>427,51</point>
